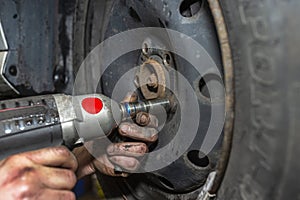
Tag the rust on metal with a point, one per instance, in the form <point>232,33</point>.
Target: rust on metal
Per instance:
<point>229,85</point>
<point>151,79</point>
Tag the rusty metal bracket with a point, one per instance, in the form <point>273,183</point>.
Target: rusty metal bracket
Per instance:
<point>151,78</point>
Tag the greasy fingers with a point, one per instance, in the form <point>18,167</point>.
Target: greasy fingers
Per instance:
<point>138,133</point>
<point>84,158</point>
<point>54,157</point>
<point>124,154</point>
<point>38,175</point>
<point>128,163</point>
<point>104,165</point>
<point>57,178</point>
<point>85,170</point>
<point>134,149</point>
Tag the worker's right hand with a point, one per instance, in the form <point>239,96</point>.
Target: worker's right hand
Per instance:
<point>42,174</point>
<point>122,154</point>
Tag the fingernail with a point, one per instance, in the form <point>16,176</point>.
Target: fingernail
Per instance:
<point>142,118</point>
<point>124,128</point>
<point>132,164</point>
<point>144,148</point>
<point>110,149</point>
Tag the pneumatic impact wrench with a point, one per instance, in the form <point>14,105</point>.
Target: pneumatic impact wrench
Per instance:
<point>42,121</point>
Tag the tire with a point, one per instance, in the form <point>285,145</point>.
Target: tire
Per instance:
<point>263,163</point>
<point>264,41</point>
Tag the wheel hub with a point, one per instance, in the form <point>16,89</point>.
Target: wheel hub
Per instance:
<point>151,79</point>
<point>194,19</point>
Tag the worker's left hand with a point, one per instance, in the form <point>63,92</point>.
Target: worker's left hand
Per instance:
<point>125,154</point>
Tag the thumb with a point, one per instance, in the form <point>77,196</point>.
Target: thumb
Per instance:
<point>85,162</point>
<point>54,157</point>
<point>85,170</point>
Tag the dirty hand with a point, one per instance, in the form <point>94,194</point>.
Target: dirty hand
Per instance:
<point>124,154</point>
<point>43,174</point>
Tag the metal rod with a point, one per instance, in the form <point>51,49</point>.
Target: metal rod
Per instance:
<point>131,109</point>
